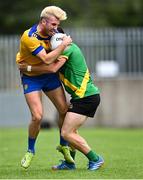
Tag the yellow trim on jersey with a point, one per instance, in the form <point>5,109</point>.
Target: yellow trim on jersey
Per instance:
<point>63,56</point>
<point>81,91</point>
<point>67,82</point>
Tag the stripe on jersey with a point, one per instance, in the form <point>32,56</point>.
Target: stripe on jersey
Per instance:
<point>78,91</point>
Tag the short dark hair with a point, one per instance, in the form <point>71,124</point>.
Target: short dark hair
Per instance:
<point>60,30</point>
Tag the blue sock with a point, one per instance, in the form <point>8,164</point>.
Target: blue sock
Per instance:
<point>62,141</point>
<point>31,145</point>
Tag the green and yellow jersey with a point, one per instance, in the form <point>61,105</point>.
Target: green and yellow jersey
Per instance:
<point>31,43</point>
<point>75,74</point>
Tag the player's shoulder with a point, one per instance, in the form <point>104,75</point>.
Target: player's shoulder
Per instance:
<point>73,48</point>
<point>25,34</point>
<point>74,45</point>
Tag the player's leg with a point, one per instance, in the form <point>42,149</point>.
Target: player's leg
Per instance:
<point>33,100</point>
<point>71,123</point>
<point>57,96</point>
<point>66,165</point>
<point>72,130</point>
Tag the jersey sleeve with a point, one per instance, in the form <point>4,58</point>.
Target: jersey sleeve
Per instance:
<point>66,53</point>
<point>63,56</point>
<point>33,44</point>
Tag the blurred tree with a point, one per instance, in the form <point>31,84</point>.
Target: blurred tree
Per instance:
<point>18,15</point>
<point>125,13</point>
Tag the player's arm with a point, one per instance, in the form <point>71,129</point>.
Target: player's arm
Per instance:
<point>50,57</point>
<point>44,68</point>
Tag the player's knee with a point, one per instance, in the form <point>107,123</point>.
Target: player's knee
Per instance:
<point>37,117</point>
<point>65,134</point>
<point>63,110</point>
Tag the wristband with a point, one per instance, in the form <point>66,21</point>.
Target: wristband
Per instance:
<point>29,68</point>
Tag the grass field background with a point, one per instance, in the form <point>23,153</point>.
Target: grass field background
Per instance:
<point>122,150</point>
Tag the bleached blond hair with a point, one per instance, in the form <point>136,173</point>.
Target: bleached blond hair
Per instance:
<point>55,11</point>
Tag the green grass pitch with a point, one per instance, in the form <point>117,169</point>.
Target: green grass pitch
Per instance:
<point>122,150</point>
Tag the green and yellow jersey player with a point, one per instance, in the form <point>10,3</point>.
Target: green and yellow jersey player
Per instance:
<point>85,98</point>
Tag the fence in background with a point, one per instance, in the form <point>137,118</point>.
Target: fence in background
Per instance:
<point>123,46</point>
<point>102,48</point>
<point>9,75</point>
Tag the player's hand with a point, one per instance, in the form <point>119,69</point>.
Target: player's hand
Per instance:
<point>67,40</point>
<point>22,67</point>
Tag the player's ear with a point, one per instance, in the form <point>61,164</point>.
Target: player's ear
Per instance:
<point>43,20</point>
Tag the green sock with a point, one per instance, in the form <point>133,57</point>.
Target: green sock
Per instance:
<point>92,156</point>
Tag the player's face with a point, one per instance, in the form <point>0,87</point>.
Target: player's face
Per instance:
<point>51,25</point>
